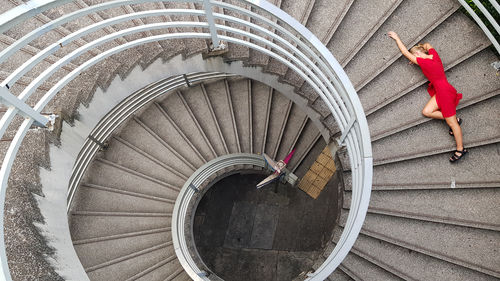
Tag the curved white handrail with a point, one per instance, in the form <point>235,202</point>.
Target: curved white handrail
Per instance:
<point>185,196</point>
<point>488,16</point>
<point>303,53</point>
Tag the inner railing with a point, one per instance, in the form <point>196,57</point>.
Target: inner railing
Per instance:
<point>254,24</point>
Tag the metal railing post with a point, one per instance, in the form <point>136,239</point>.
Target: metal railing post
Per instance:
<point>211,23</point>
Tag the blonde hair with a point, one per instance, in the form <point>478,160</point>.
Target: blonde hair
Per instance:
<point>418,47</point>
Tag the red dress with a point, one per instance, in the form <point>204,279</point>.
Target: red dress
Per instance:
<point>447,97</point>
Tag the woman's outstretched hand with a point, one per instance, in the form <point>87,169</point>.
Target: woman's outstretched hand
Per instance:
<point>393,35</point>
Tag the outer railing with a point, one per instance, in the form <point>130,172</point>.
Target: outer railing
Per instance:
<point>490,18</point>
<point>295,46</point>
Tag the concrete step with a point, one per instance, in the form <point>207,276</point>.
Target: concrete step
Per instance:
<point>300,10</point>
<point>84,227</point>
<point>408,264</point>
<point>295,124</point>
<point>26,53</point>
<point>96,253</point>
<point>160,271</point>
<point>183,276</point>
<point>92,197</point>
<point>326,16</point>
<point>138,135</point>
<point>261,110</point>
<point>192,46</point>
<point>280,111</point>
<point>471,248</point>
<point>475,208</point>
<point>339,275</point>
<point>235,51</point>
<point>304,145</point>
<point>257,58</point>
<point>158,120</point>
<point>148,52</point>
<point>388,85</point>
<point>241,98</point>
<point>128,266</point>
<point>125,154</point>
<point>479,128</point>
<point>360,269</point>
<point>435,172</point>
<point>311,157</point>
<point>219,95</point>
<point>170,48</point>
<point>187,123</point>
<point>109,174</point>
<point>366,16</point>
<point>407,109</point>
<point>197,100</point>
<point>381,49</point>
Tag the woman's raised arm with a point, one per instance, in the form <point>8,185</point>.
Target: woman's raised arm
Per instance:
<point>402,47</point>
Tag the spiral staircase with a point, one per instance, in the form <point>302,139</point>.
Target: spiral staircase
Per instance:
<point>427,219</point>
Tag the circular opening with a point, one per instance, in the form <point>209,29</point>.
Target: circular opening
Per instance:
<point>272,233</point>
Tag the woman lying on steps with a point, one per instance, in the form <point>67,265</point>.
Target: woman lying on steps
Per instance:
<point>444,97</point>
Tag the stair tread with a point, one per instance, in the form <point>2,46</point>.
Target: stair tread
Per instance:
<point>202,111</point>
<point>260,104</point>
<point>277,120</point>
<point>91,254</point>
<point>411,265</point>
<point>155,119</point>
<point>366,16</point>
<point>87,227</point>
<point>325,17</point>
<point>126,156</point>
<point>339,275</point>
<point>408,108</point>
<point>436,170</point>
<point>105,200</point>
<point>134,134</point>
<point>365,270</point>
<point>468,207</point>
<point>216,92</point>
<point>103,174</point>
<point>240,98</point>
<point>472,248</point>
<point>463,40</point>
<point>430,137</point>
<point>129,267</point>
<point>381,49</point>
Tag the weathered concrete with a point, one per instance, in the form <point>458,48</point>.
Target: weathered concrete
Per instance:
<point>244,233</point>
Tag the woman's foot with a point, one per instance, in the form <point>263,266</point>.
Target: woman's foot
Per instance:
<point>459,120</point>
<point>457,155</point>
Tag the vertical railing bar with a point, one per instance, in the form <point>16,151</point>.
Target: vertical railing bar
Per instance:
<point>211,23</point>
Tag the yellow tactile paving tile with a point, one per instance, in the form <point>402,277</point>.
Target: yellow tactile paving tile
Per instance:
<point>319,174</point>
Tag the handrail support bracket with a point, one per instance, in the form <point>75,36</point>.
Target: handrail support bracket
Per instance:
<point>341,140</point>
<point>25,110</point>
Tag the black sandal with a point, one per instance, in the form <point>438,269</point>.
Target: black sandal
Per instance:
<point>455,157</point>
<point>459,123</point>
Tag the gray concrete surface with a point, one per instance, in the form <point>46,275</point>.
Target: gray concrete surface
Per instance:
<point>273,233</point>
<point>374,69</point>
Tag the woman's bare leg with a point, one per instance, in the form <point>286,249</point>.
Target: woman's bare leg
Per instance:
<point>457,131</point>
<point>431,109</point>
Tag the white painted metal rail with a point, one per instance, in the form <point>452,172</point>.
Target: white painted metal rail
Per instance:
<point>488,15</point>
<point>295,47</point>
